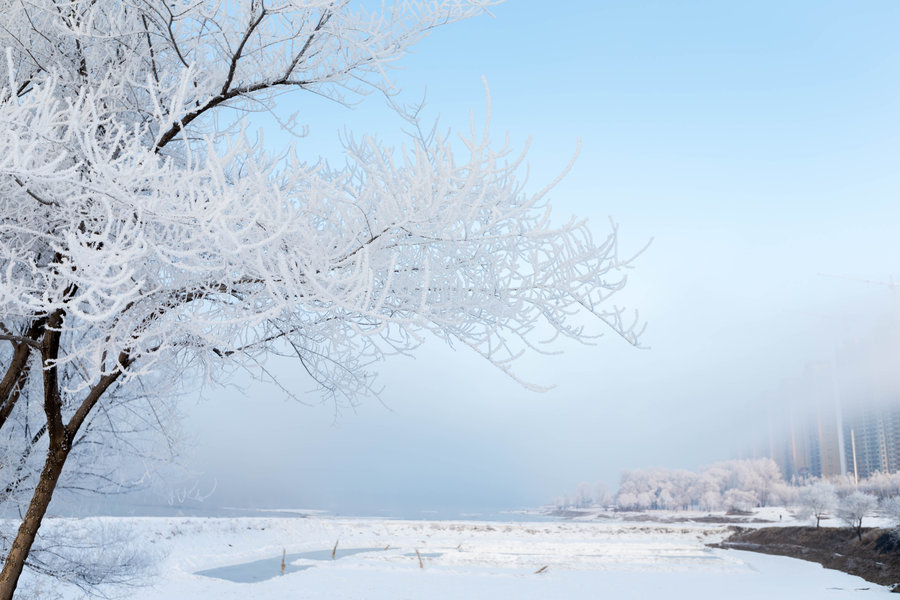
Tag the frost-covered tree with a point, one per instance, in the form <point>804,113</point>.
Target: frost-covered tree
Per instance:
<point>784,494</point>
<point>602,497</point>
<point>882,485</point>
<point>891,508</point>
<point>740,500</point>
<point>627,501</point>
<point>584,495</point>
<point>710,500</point>
<point>854,507</point>
<point>144,235</point>
<point>759,476</point>
<point>817,500</point>
<point>654,488</point>
<point>754,482</point>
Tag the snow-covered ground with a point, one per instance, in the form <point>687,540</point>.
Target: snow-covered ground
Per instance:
<point>607,558</point>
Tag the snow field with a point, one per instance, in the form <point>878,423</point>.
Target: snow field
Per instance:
<point>468,560</point>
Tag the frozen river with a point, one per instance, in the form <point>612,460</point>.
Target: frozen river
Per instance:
<point>239,558</point>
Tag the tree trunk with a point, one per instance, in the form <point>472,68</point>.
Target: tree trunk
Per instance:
<point>12,569</point>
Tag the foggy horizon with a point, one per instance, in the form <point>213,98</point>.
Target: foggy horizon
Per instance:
<point>755,145</point>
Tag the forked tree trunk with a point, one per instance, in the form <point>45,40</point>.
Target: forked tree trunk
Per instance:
<point>60,444</point>
<point>43,493</point>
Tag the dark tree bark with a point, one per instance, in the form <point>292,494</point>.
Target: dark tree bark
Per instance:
<point>60,436</point>
<point>15,561</point>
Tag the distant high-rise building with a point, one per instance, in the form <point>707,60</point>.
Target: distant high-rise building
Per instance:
<point>841,416</point>
<point>804,425</point>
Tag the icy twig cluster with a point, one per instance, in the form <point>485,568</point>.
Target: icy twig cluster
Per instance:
<point>144,233</point>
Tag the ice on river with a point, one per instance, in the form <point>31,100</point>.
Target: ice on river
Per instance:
<point>239,558</point>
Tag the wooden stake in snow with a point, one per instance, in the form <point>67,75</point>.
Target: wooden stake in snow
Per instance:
<point>334,550</point>
<point>283,556</point>
<point>419,556</point>
<point>542,569</point>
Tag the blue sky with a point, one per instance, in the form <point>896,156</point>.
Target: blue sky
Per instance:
<point>756,143</point>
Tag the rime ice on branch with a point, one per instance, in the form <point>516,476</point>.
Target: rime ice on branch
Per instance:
<point>142,232</point>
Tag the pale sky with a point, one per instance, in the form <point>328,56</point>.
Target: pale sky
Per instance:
<point>756,143</point>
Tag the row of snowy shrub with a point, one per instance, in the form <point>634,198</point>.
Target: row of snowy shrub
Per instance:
<point>728,485</point>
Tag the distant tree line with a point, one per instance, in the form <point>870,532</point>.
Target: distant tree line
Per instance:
<point>732,485</point>
<point>741,485</point>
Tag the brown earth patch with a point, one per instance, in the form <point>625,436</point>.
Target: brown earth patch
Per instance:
<point>875,557</point>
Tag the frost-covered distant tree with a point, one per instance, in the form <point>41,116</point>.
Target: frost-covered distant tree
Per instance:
<point>784,494</point>
<point>854,507</point>
<point>584,495</point>
<point>665,500</point>
<point>817,500</point>
<point>710,500</point>
<point>646,500</point>
<point>145,236</point>
<point>765,477</point>
<point>882,485</point>
<point>740,500</point>
<point>658,488</point>
<point>705,492</point>
<point>627,501</point>
<point>753,481</point>
<point>759,476</point>
<point>602,497</point>
<point>891,508</point>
